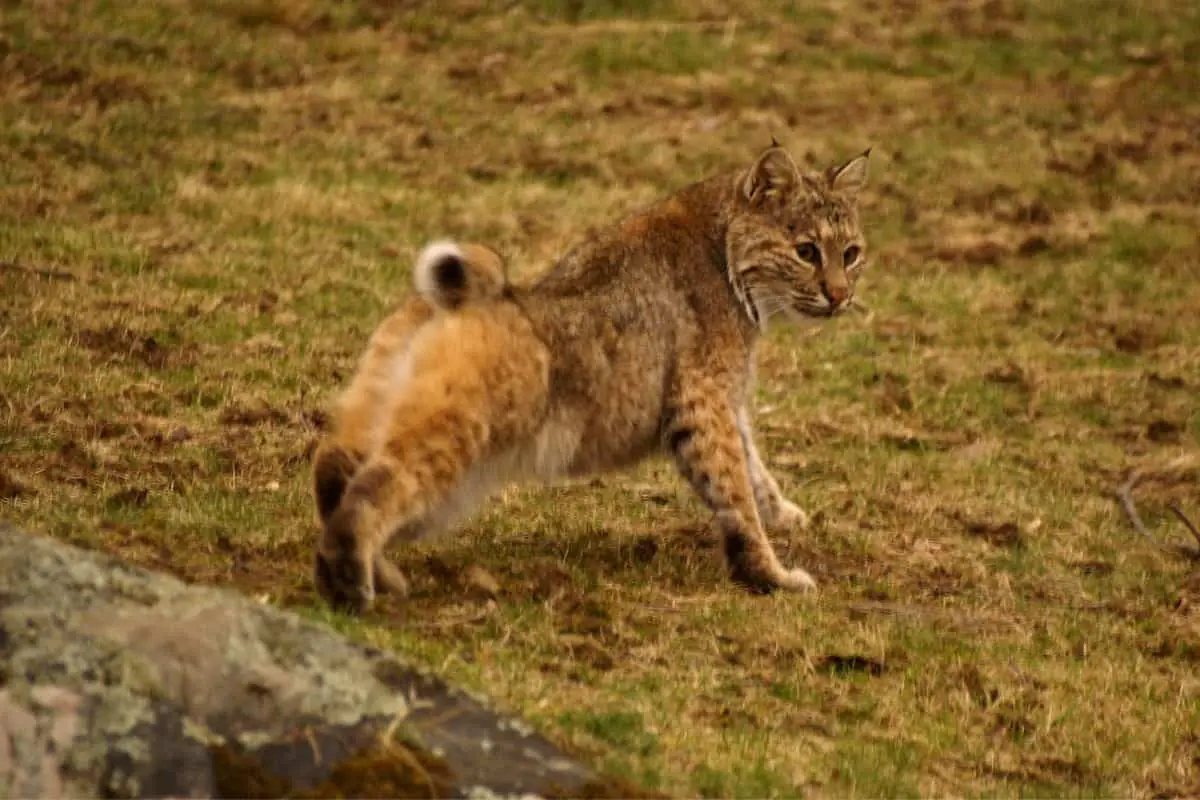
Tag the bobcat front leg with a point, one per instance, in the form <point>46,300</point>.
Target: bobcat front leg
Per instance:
<point>777,512</point>
<point>703,436</point>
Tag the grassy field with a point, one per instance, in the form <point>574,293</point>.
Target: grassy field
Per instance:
<point>205,208</point>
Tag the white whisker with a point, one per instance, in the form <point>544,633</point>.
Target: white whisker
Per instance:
<point>770,305</point>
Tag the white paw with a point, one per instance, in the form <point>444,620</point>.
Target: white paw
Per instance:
<point>790,516</point>
<point>798,580</point>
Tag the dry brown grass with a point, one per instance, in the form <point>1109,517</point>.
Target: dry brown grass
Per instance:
<point>205,208</point>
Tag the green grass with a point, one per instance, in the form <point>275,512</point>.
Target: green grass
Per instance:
<point>205,208</point>
<point>674,52</point>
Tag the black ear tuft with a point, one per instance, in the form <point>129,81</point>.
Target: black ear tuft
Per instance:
<point>450,274</point>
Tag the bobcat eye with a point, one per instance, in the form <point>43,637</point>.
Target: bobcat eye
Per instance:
<point>809,252</point>
<point>851,255</point>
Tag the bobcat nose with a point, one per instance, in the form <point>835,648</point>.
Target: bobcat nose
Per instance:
<point>835,293</point>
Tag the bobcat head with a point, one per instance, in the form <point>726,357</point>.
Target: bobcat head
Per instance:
<point>794,244</point>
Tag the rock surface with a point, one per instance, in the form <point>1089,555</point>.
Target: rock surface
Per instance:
<point>116,681</point>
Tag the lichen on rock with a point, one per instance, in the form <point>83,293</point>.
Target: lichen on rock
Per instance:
<point>116,681</point>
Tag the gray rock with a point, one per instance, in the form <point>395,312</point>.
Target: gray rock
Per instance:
<point>116,681</point>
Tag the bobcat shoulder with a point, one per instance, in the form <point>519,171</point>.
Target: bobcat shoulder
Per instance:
<point>638,341</point>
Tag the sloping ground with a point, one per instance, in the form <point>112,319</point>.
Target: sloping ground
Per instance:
<point>121,683</point>
<point>206,207</point>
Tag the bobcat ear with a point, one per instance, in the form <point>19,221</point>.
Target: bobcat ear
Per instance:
<point>851,176</point>
<point>773,174</point>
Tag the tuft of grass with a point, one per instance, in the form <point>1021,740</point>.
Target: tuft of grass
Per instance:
<point>622,728</point>
<point>675,52</point>
<point>205,208</point>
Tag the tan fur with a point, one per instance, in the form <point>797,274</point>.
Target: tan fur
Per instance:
<point>639,340</point>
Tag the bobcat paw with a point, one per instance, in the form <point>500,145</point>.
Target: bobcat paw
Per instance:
<point>790,516</point>
<point>768,578</point>
<point>798,580</point>
<point>344,581</point>
<point>343,569</point>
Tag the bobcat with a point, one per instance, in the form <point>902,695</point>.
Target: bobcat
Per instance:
<point>640,339</point>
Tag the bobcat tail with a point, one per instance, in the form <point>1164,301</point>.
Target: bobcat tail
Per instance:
<point>450,275</point>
